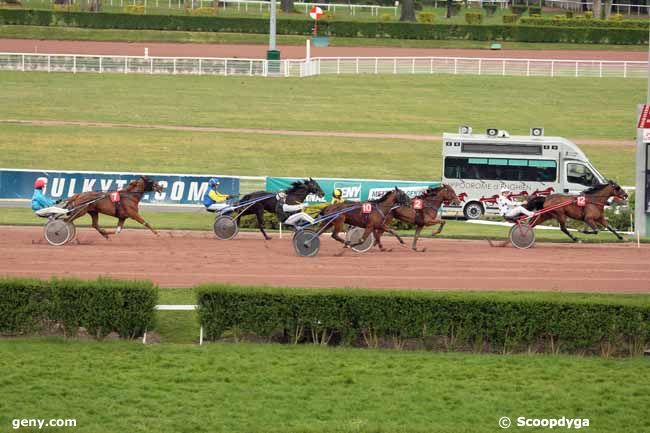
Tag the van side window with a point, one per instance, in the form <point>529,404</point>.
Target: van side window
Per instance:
<point>579,173</point>
<point>530,170</point>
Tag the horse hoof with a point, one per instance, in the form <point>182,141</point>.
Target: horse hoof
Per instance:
<point>268,238</point>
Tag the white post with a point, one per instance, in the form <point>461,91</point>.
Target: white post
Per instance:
<point>357,66</point>
<point>455,66</point>
<point>48,63</point>
<point>225,67</point>
<point>151,66</point>
<point>528,68</point>
<point>126,65</point>
<point>552,68</point>
<point>146,52</point>
<point>431,66</point>
<point>101,69</point>
<point>413,65</point>
<point>338,65</point>
<point>503,68</point>
<point>174,65</point>
<point>74,64</point>
<point>144,337</point>
<point>576,69</point>
<point>200,67</point>
<point>250,68</point>
<point>601,69</point>
<point>308,50</point>
<point>625,69</point>
<point>376,65</point>
<point>23,63</point>
<point>395,66</point>
<point>201,336</point>
<point>480,63</point>
<point>280,227</point>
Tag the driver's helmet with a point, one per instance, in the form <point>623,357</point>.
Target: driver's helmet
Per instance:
<point>337,193</point>
<point>40,183</point>
<point>213,182</point>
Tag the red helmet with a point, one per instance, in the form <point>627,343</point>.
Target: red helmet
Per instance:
<point>40,183</point>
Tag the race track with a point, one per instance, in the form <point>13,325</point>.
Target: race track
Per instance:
<point>181,259</point>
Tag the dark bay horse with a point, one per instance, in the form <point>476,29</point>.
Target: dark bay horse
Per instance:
<point>592,212</point>
<point>431,200</point>
<point>374,222</point>
<point>296,194</point>
<point>121,204</point>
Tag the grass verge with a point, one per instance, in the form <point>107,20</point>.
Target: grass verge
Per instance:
<point>119,386</point>
<point>81,34</point>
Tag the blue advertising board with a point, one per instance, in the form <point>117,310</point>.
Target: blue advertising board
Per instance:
<point>178,188</point>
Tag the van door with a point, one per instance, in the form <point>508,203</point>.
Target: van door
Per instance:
<point>577,177</point>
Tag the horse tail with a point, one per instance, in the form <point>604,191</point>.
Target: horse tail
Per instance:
<point>536,203</point>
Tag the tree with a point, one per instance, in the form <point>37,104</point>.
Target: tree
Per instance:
<point>286,6</point>
<point>408,11</point>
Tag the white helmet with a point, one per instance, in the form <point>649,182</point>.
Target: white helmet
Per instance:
<point>505,189</point>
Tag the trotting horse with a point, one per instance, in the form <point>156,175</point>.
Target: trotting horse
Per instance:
<point>374,221</point>
<point>121,204</point>
<point>429,203</point>
<point>296,194</point>
<point>589,207</point>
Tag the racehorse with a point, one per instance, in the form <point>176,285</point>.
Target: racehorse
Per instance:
<point>591,210</point>
<point>121,204</point>
<point>380,210</point>
<point>430,202</point>
<point>296,194</point>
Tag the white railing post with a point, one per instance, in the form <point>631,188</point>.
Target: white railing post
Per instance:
<point>376,65</point>
<point>625,69</point>
<point>151,65</point>
<point>357,66</point>
<point>48,63</point>
<point>413,65</point>
<point>126,65</point>
<point>174,66</point>
<point>600,72</point>
<point>503,67</point>
<point>552,68</point>
<point>200,67</point>
<point>528,68</point>
<point>576,69</point>
<point>101,68</point>
<point>74,64</point>
<point>431,65</point>
<point>455,66</point>
<point>395,66</point>
<point>23,63</point>
<point>338,65</point>
<point>480,64</point>
<point>225,68</point>
<point>250,68</point>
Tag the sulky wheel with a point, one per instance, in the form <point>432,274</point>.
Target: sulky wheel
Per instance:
<point>225,227</point>
<point>73,232</point>
<point>57,232</point>
<point>522,236</point>
<point>354,235</point>
<point>306,243</point>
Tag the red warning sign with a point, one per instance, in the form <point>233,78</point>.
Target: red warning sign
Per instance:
<point>644,120</point>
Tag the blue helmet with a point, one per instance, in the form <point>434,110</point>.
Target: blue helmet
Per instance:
<point>213,182</point>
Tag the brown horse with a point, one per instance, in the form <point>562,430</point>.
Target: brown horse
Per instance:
<point>589,207</point>
<point>374,221</point>
<point>121,204</point>
<point>430,200</point>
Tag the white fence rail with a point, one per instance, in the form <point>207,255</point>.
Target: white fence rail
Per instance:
<point>321,66</point>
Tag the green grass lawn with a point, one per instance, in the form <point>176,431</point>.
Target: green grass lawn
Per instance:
<point>148,150</point>
<point>129,387</point>
<point>405,103</point>
<point>81,34</point>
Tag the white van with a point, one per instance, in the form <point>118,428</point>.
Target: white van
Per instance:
<point>479,165</point>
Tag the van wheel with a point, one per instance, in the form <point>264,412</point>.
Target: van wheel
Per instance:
<point>473,210</point>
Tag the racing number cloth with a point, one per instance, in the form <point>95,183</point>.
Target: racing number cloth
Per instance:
<point>417,204</point>
<point>114,196</point>
<point>366,208</point>
<point>581,201</point>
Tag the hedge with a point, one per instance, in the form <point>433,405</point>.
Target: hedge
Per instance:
<point>101,306</point>
<point>396,30</point>
<point>490,322</point>
<point>591,23</point>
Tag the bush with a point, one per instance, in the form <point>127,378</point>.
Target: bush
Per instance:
<point>589,15</point>
<point>473,18</point>
<point>101,306</point>
<point>490,8</point>
<point>203,11</point>
<point>510,19</point>
<point>395,30</point>
<point>616,17</point>
<point>386,17</point>
<point>559,20</point>
<point>426,17</point>
<point>519,9</point>
<point>504,323</point>
<point>534,10</point>
<point>134,9</point>
<point>569,14</point>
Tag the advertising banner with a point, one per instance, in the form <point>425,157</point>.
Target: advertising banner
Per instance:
<point>352,189</point>
<point>179,188</point>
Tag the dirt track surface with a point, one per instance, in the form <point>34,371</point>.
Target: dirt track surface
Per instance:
<point>295,52</point>
<point>179,259</point>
